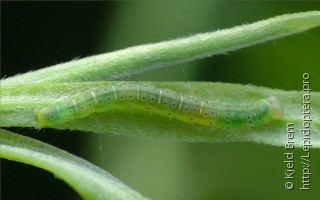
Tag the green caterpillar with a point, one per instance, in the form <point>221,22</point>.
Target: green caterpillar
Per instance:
<point>167,103</point>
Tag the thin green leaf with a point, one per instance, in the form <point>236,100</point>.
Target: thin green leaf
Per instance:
<point>134,60</point>
<point>90,181</point>
<point>19,105</point>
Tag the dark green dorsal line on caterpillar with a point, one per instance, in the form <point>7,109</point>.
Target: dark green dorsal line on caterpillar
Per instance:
<point>167,103</point>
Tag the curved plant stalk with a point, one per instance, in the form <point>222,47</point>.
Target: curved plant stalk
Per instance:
<point>134,60</point>
<point>20,103</point>
<point>90,181</point>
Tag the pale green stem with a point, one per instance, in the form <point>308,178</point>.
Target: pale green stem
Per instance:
<point>88,180</point>
<point>134,60</point>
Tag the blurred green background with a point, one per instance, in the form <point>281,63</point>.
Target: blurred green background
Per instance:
<point>39,34</point>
